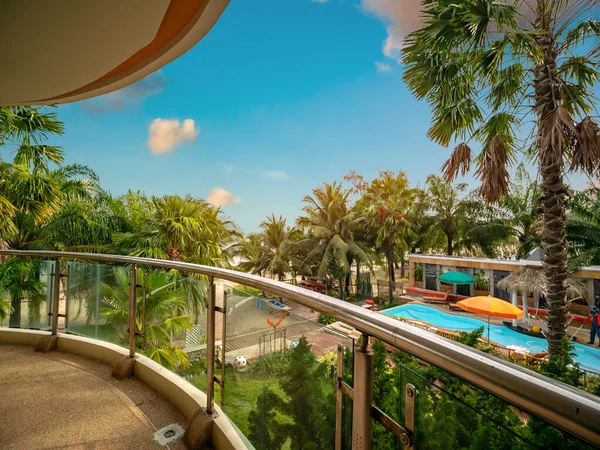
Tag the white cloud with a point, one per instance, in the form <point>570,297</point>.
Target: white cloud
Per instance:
<point>401,16</point>
<point>277,175</point>
<point>166,134</point>
<point>382,67</point>
<point>220,198</point>
<point>320,1</point>
<point>127,97</point>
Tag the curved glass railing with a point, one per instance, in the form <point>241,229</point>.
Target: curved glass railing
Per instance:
<point>282,371</point>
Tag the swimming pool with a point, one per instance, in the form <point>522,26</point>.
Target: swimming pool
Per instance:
<point>587,357</point>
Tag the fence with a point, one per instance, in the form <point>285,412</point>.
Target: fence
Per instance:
<point>383,289</point>
<point>560,406</point>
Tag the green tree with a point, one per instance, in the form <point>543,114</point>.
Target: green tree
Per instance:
<point>488,67</point>
<point>583,228</point>
<point>450,210</point>
<point>385,205</point>
<point>180,229</point>
<point>34,188</point>
<point>276,249</point>
<point>23,129</point>
<point>422,233</point>
<point>515,218</point>
<point>331,225</point>
<point>161,312</point>
<point>20,280</point>
<point>307,401</point>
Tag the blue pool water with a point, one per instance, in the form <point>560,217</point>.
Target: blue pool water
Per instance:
<point>587,357</point>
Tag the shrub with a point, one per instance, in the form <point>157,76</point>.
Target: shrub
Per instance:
<point>273,365</point>
<point>324,319</point>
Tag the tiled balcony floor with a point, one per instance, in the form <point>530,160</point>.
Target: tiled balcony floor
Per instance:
<point>65,401</point>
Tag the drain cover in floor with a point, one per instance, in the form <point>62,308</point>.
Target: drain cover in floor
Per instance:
<point>169,434</point>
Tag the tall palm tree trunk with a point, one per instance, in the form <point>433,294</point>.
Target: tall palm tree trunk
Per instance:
<point>547,102</point>
<point>450,244</point>
<point>389,256</point>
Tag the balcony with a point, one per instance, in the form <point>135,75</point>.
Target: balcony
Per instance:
<point>259,369</point>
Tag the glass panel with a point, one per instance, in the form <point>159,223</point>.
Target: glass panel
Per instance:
<point>431,277</point>
<point>499,275</point>
<point>191,339</point>
<point>97,301</point>
<point>170,312</point>
<point>280,371</point>
<point>173,320</point>
<point>450,413</point>
<point>25,293</point>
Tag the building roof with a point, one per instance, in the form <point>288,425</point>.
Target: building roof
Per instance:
<point>483,262</point>
<point>533,280</point>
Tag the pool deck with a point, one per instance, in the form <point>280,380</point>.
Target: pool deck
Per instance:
<point>62,400</point>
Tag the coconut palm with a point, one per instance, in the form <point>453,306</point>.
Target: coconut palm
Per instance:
<point>516,217</point>
<point>422,232</point>
<point>22,131</point>
<point>162,317</point>
<point>274,249</point>
<point>182,229</point>
<point>583,229</point>
<point>450,210</point>
<point>385,205</point>
<point>487,68</point>
<point>20,280</point>
<point>331,225</point>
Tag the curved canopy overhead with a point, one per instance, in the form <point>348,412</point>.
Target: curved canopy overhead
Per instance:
<point>60,52</point>
<point>533,280</point>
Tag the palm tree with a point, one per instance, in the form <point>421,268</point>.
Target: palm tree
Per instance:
<point>274,249</point>
<point>583,229</point>
<point>516,217</point>
<point>165,301</point>
<point>487,68</point>
<point>385,205</point>
<point>22,129</point>
<point>331,224</point>
<point>451,212</point>
<point>20,280</point>
<point>422,232</point>
<point>29,196</point>
<point>182,229</point>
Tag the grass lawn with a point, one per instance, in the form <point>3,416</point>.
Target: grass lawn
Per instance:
<point>241,392</point>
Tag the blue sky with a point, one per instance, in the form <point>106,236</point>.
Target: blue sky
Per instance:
<point>286,95</point>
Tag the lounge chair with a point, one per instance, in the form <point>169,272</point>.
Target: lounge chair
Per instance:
<point>441,298</point>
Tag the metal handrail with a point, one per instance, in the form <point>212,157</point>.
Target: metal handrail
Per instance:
<point>565,407</point>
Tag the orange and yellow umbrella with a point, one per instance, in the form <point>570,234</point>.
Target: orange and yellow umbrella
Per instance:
<point>491,307</point>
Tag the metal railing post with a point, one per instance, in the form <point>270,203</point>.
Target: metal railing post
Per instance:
<point>132,309</point>
<point>210,348</point>
<point>223,345</point>
<point>56,299</point>
<point>408,438</point>
<point>363,396</point>
<point>339,397</point>
<point>67,296</point>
